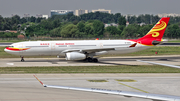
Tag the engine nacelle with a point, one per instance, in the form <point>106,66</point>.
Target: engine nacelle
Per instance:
<point>75,56</point>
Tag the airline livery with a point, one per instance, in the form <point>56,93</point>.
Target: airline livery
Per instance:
<point>87,49</point>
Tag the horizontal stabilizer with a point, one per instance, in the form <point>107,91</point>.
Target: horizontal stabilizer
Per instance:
<point>133,45</point>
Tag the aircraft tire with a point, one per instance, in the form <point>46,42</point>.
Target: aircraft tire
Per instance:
<point>89,59</point>
<point>95,60</point>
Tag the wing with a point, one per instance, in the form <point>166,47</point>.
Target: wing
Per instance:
<point>155,97</point>
<point>88,50</point>
<point>96,49</point>
<point>168,65</point>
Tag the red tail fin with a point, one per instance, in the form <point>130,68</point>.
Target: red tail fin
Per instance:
<point>154,36</point>
<point>158,30</point>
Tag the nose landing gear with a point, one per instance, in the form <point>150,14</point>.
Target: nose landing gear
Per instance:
<point>22,59</point>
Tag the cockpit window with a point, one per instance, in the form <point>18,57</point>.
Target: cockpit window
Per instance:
<point>11,46</point>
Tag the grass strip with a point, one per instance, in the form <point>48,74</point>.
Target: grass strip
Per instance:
<point>126,80</point>
<point>90,69</point>
<point>97,80</point>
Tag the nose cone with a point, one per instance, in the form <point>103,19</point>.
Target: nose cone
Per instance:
<point>6,49</point>
<point>10,51</point>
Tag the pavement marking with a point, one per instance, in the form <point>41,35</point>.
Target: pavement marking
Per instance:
<point>10,63</point>
<point>133,87</point>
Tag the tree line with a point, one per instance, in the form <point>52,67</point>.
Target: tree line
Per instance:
<point>88,25</point>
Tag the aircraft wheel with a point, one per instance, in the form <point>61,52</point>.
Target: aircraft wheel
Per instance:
<point>89,59</point>
<point>95,60</point>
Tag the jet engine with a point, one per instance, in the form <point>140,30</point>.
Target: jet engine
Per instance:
<point>75,56</point>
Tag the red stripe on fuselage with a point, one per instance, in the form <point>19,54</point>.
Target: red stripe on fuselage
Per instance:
<point>16,49</point>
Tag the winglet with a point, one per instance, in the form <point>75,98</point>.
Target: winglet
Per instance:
<point>133,45</point>
<point>39,81</point>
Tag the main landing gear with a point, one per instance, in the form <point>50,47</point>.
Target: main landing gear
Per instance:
<point>22,59</point>
<point>91,59</point>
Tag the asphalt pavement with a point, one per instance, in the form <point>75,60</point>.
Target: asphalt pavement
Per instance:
<point>105,61</point>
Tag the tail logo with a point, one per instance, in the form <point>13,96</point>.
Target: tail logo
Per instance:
<point>158,27</point>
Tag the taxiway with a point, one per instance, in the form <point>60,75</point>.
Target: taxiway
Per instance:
<point>128,60</point>
<point>24,87</point>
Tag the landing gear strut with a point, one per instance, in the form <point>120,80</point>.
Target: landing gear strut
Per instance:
<point>22,59</point>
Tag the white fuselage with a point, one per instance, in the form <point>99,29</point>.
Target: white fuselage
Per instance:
<point>56,48</point>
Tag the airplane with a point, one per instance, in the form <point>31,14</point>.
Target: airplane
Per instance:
<point>87,49</point>
<point>154,97</point>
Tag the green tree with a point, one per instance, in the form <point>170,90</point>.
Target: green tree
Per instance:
<point>55,32</point>
<point>75,22</point>
<point>172,31</point>
<point>88,29</point>
<point>112,29</point>
<point>23,20</point>
<point>116,17</point>
<point>1,22</point>
<point>32,19</point>
<point>122,21</point>
<point>143,30</point>
<point>70,30</point>
<point>46,24</point>
<point>56,23</point>
<point>98,28</point>
<point>130,31</point>
<point>81,26</point>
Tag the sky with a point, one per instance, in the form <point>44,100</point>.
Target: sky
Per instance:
<point>134,7</point>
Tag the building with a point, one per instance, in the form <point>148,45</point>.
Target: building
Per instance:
<point>26,15</point>
<point>111,24</point>
<point>61,12</point>
<point>45,16</point>
<point>38,15</point>
<point>142,23</point>
<point>102,10</point>
<point>127,23</point>
<point>41,16</point>
<point>80,12</point>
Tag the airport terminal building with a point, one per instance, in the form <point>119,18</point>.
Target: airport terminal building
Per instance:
<point>61,12</point>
